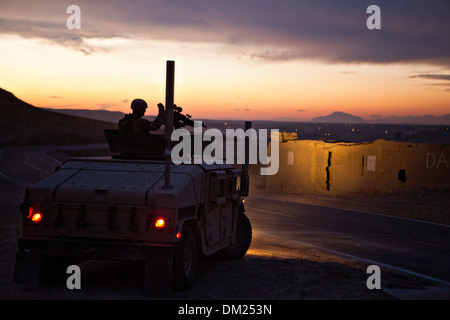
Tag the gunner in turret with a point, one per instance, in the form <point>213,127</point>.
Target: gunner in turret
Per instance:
<point>135,124</point>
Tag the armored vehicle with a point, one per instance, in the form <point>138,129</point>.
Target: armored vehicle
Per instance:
<point>136,205</point>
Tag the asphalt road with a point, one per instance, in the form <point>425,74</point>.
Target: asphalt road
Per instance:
<point>410,246</point>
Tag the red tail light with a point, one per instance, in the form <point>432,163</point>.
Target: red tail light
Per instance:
<point>35,213</point>
<point>36,217</point>
<point>160,224</point>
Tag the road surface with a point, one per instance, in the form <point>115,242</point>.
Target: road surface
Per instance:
<point>414,247</point>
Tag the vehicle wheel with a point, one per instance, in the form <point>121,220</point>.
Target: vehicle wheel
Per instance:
<point>185,263</point>
<point>243,239</point>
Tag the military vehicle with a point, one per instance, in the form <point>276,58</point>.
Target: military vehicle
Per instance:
<point>136,205</point>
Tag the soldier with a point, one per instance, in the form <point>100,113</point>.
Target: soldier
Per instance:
<point>134,124</point>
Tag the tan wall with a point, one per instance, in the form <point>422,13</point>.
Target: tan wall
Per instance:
<point>368,168</point>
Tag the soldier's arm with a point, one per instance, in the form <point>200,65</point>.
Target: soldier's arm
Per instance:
<point>145,125</point>
<point>159,120</point>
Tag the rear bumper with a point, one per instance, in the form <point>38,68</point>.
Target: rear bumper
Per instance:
<point>93,249</point>
<point>158,258</point>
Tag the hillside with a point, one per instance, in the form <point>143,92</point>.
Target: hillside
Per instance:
<point>23,124</point>
<point>339,117</point>
<point>346,118</point>
<point>104,115</point>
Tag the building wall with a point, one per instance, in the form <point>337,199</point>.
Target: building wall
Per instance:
<point>367,168</point>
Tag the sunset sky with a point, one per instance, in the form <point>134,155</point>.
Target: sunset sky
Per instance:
<point>248,59</point>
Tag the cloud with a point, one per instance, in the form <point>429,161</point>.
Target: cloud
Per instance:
<point>301,110</point>
<point>285,119</point>
<point>64,106</point>
<point>52,33</point>
<point>439,77</point>
<point>445,77</point>
<point>105,106</point>
<point>327,30</point>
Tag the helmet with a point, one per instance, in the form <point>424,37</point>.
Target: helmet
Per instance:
<point>138,104</point>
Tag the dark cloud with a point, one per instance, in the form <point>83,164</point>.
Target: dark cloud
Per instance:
<point>53,33</point>
<point>333,31</point>
<point>445,77</point>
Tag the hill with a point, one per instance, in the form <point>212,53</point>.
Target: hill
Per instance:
<point>339,117</point>
<point>23,124</point>
<point>346,118</point>
<point>103,115</point>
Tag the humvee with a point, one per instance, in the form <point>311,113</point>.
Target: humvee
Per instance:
<point>136,205</point>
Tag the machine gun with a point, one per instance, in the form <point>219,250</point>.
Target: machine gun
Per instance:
<point>181,120</point>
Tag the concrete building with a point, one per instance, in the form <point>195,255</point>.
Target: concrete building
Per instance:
<point>377,167</point>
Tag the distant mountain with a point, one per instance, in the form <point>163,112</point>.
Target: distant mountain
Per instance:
<point>103,115</point>
<point>23,124</point>
<point>339,117</point>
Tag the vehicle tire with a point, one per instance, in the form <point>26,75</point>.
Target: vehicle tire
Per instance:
<point>243,239</point>
<point>185,263</point>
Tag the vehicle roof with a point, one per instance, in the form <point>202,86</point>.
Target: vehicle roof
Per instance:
<point>138,164</point>
<point>124,182</point>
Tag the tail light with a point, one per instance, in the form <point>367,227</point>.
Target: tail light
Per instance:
<point>36,217</point>
<point>160,224</point>
<point>35,213</point>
